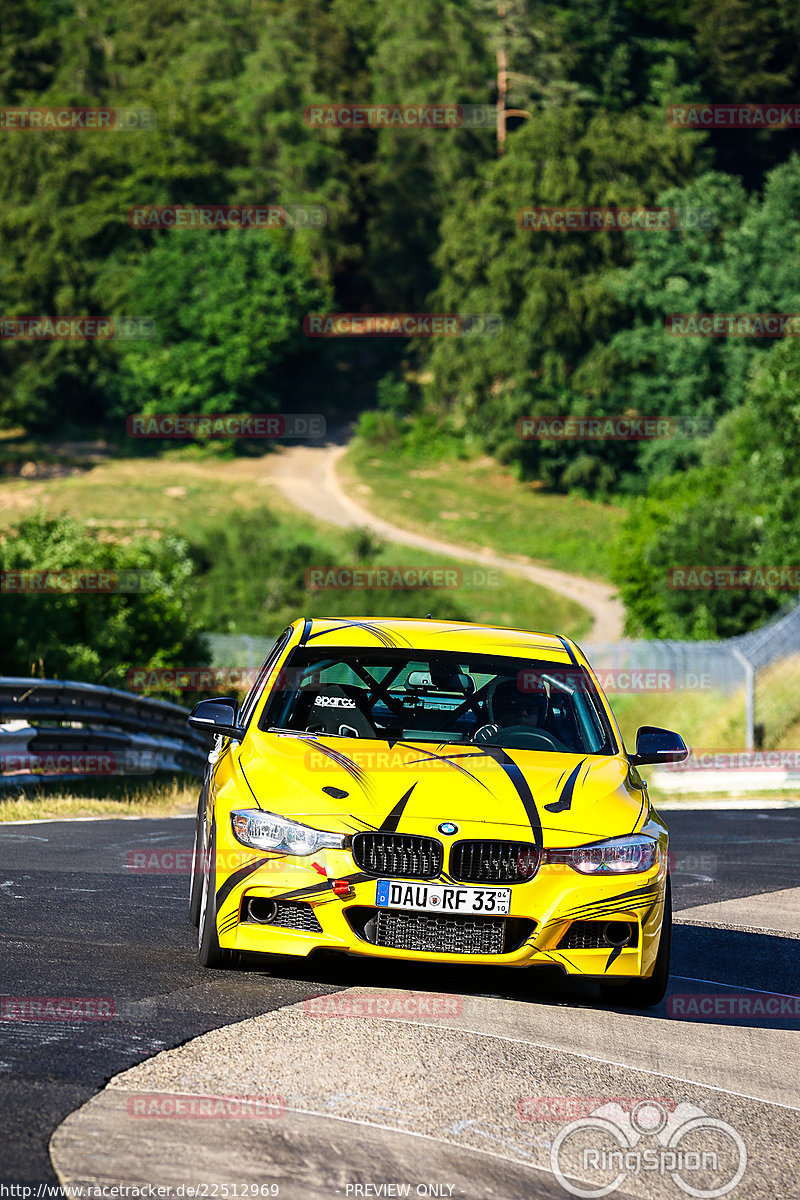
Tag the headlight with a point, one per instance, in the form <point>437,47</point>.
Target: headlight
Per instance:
<point>265,831</point>
<point>617,856</point>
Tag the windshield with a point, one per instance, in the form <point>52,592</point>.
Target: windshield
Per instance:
<point>440,697</point>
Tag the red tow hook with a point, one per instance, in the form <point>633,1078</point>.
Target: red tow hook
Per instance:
<point>342,888</point>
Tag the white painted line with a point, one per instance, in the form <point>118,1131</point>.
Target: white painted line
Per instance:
<point>735,987</point>
<point>608,1062</point>
<point>732,802</point>
<point>784,933</point>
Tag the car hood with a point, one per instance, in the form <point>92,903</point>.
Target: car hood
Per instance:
<point>343,785</point>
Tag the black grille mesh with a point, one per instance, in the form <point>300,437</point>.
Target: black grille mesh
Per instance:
<point>437,934</point>
<point>590,935</point>
<point>493,862</point>
<point>291,914</point>
<point>398,854</point>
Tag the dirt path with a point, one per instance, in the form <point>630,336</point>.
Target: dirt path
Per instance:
<point>307,477</point>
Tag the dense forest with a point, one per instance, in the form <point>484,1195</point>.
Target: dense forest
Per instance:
<point>426,220</point>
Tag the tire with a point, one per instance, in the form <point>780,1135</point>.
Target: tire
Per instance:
<point>209,951</point>
<point>646,993</point>
<point>196,877</point>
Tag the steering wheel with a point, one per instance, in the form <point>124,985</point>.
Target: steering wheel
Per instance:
<point>495,736</point>
<point>539,737</point>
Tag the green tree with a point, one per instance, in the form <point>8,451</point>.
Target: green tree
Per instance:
<point>93,636</point>
<point>228,308</point>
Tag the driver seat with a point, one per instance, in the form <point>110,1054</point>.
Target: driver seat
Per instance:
<point>337,708</point>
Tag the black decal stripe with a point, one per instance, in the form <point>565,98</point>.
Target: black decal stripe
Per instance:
<point>641,811</point>
<point>564,801</point>
<point>520,783</point>
<point>568,649</point>
<point>617,950</point>
<point>393,819</point>
<point>236,878</point>
<point>315,889</point>
<point>347,764</point>
<point>598,908</point>
<point>307,623</point>
<point>445,758</point>
<point>386,639</point>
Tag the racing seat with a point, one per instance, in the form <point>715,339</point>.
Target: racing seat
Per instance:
<point>339,708</point>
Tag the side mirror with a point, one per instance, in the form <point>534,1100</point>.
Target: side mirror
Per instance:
<point>654,745</point>
<point>217,716</point>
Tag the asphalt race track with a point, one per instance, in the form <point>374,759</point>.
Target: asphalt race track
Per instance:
<point>76,921</point>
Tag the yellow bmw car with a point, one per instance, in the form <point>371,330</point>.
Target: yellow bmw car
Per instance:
<point>432,791</point>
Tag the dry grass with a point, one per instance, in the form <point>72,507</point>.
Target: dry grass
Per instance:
<point>172,797</point>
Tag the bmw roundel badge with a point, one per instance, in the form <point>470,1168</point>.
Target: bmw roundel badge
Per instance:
<point>448,827</point>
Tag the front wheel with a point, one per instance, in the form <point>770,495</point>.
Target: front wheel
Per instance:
<point>209,951</point>
<point>646,993</point>
<point>198,852</point>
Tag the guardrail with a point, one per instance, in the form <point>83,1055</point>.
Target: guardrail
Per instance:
<point>52,729</point>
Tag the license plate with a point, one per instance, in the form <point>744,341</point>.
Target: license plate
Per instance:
<point>435,897</point>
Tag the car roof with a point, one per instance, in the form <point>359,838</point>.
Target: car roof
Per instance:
<point>420,634</point>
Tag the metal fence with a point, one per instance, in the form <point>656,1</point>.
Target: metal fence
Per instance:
<point>764,666</point>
